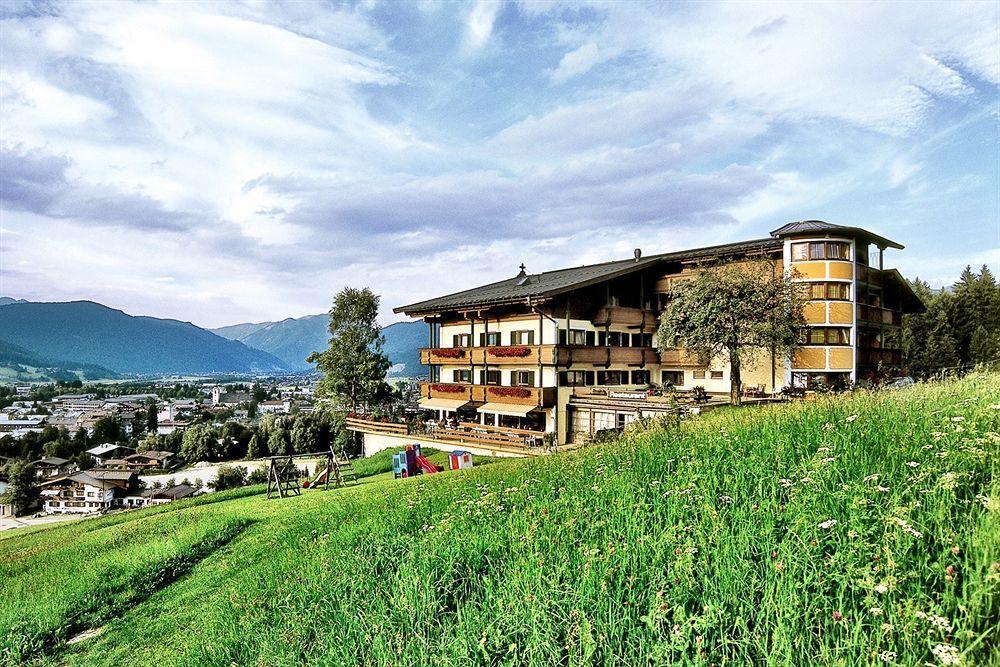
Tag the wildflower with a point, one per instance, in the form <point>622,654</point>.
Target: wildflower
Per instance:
<point>823,449</point>
<point>882,489</point>
<point>872,478</point>
<point>882,589</point>
<point>913,464</point>
<point>907,528</point>
<point>785,482</point>
<point>806,480</point>
<point>958,419</point>
<point>829,523</point>
<point>779,566</point>
<point>829,459</point>
<point>837,616</point>
<point>946,654</point>
<point>877,611</point>
<point>887,656</point>
<point>955,550</point>
<point>939,622</point>
<point>995,407</point>
<point>851,418</point>
<point>853,534</point>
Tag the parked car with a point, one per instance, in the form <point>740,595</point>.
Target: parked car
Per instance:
<point>901,382</point>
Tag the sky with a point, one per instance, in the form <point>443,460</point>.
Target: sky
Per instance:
<point>229,162</point>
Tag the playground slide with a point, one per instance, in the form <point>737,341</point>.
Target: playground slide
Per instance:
<point>426,465</point>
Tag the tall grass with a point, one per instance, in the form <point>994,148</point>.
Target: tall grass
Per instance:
<point>846,531</point>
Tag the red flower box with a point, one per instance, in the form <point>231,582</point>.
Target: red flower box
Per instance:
<point>511,392</point>
<point>515,351</point>
<point>448,388</point>
<point>449,352</point>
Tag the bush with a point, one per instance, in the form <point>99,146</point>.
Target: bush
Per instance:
<point>258,476</point>
<point>229,477</point>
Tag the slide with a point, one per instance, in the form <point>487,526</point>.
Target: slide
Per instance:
<point>426,465</point>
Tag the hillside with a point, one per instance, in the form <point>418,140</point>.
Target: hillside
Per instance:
<point>83,332</point>
<point>843,531</point>
<point>293,340</point>
<point>19,364</point>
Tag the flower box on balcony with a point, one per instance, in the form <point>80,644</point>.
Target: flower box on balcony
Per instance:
<point>512,351</point>
<point>510,392</point>
<point>448,388</point>
<point>449,353</point>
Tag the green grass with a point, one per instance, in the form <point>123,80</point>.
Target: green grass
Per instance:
<point>756,536</point>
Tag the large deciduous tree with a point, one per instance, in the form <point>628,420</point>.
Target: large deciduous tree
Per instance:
<point>741,310</point>
<point>354,365</point>
<point>21,491</point>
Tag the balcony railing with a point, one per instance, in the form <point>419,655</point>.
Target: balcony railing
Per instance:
<point>479,435</point>
<point>885,356</point>
<point>877,315</point>
<point>625,316</point>
<point>547,355</point>
<point>489,393</point>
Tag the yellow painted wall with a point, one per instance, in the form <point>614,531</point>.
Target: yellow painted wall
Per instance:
<point>841,313</point>
<point>810,270</point>
<point>809,357</point>
<point>841,358</point>
<point>844,270</point>
<point>814,312</point>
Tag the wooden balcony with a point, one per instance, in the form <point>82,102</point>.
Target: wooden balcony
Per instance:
<point>680,358</point>
<point>374,426</point>
<point>503,355</point>
<point>636,318</point>
<point>481,393</point>
<point>532,355</point>
<point>876,315</point>
<point>875,356</point>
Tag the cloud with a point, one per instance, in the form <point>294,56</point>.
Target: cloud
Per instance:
<point>479,24</point>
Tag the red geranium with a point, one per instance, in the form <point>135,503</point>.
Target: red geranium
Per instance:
<point>514,351</point>
<point>449,352</point>
<point>448,388</point>
<point>512,392</point>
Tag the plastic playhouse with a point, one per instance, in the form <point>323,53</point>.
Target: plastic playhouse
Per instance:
<point>411,462</point>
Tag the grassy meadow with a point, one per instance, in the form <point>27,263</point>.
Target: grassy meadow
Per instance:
<point>843,531</point>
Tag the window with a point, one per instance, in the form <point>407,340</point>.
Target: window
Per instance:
<point>698,375</point>
<point>463,375</point>
<point>612,377</point>
<point>615,339</point>
<point>828,336</point>
<point>640,377</point>
<point>489,339</point>
<point>461,340</point>
<point>489,377</point>
<point>833,291</point>
<point>673,378</point>
<point>820,250</point>
<point>435,374</point>
<point>522,337</point>
<point>522,378</point>
<point>573,337</point>
<point>716,375</point>
<point>576,378</point>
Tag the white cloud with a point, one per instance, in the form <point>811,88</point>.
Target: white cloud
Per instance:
<point>479,24</point>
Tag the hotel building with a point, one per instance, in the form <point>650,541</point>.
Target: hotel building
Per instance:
<point>573,352</point>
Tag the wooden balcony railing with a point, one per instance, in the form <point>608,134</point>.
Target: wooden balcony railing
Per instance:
<point>876,315</point>
<point>375,426</point>
<point>629,317</point>
<point>547,355</point>
<point>490,437</point>
<point>885,356</point>
<point>481,393</point>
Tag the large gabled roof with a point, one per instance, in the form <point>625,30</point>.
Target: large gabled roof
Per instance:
<point>822,227</point>
<point>551,283</point>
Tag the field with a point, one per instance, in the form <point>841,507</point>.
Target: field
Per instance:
<point>844,531</point>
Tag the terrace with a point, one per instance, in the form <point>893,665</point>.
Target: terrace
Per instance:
<point>467,433</point>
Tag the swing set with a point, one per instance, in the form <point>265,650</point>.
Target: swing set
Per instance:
<point>283,475</point>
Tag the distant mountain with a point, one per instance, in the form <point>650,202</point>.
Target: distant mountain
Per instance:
<point>293,340</point>
<point>85,332</point>
<point>4,300</point>
<point>17,363</point>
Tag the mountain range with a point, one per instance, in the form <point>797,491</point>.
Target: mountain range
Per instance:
<point>87,340</point>
<point>293,340</point>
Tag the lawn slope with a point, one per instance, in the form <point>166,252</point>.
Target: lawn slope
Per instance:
<point>846,531</point>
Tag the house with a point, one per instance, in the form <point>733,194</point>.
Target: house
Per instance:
<point>168,494</point>
<point>151,460</point>
<point>220,397</point>
<point>21,425</point>
<point>279,407</point>
<point>107,451</point>
<point>88,491</point>
<point>53,466</point>
<point>571,352</point>
<point>168,427</point>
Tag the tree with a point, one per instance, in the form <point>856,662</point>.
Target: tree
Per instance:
<point>257,448</point>
<point>106,429</point>
<point>21,491</point>
<point>229,477</point>
<point>738,310</point>
<point>151,418</point>
<point>353,365</point>
<point>983,347</point>
<point>200,443</point>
